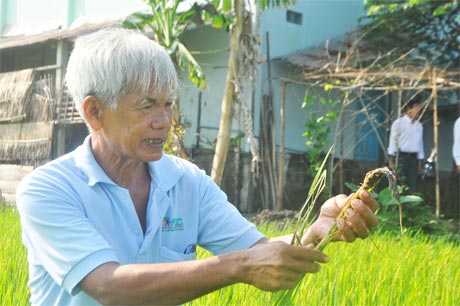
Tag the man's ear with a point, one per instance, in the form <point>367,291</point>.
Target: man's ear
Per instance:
<point>92,110</point>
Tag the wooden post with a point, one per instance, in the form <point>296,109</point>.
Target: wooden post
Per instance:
<point>61,59</point>
<point>226,119</point>
<point>435,143</point>
<point>279,195</point>
<point>341,147</point>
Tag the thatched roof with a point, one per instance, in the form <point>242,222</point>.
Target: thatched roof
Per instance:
<point>23,99</point>
<point>26,118</point>
<point>14,87</point>
<point>29,143</point>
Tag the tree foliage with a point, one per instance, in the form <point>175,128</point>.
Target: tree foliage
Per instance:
<point>430,27</point>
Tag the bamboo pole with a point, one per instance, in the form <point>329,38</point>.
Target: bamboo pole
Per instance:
<point>435,141</point>
<point>61,58</point>
<point>342,144</point>
<point>226,119</point>
<point>279,196</point>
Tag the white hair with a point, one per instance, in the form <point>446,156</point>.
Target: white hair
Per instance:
<point>114,62</point>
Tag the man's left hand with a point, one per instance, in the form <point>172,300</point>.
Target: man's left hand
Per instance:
<point>360,219</point>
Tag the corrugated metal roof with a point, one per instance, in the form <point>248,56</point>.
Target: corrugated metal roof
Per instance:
<point>24,40</point>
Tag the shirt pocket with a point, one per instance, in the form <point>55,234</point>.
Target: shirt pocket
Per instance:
<point>168,255</point>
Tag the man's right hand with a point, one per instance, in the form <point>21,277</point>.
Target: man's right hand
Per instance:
<point>273,266</point>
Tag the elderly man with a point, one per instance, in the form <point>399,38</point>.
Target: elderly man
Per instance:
<point>117,221</point>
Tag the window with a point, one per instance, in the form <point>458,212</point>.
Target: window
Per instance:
<point>294,17</point>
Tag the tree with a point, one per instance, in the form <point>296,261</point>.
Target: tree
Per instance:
<point>431,27</point>
<point>235,60</point>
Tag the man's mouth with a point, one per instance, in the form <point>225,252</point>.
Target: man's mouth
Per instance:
<point>154,141</point>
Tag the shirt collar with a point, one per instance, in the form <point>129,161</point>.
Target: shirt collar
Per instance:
<point>84,159</point>
<point>408,119</point>
<point>164,172</point>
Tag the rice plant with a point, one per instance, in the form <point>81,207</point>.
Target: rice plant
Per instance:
<point>409,270</point>
<point>13,261</point>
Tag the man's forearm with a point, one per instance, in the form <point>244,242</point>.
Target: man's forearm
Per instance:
<point>162,284</point>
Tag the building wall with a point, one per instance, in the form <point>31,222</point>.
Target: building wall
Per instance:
<point>7,12</point>
<point>34,16</point>
<point>321,20</point>
<point>31,56</point>
<point>29,12</point>
<point>214,44</point>
<point>333,18</point>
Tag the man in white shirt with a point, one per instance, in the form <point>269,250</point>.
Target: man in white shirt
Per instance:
<point>454,208</point>
<point>406,142</point>
<point>456,146</point>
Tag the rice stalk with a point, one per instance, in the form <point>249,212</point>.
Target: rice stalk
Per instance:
<point>304,221</point>
<point>371,180</point>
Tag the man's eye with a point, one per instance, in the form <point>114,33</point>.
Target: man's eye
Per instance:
<point>146,106</point>
<point>169,104</point>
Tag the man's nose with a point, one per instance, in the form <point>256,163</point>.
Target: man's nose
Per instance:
<point>161,118</point>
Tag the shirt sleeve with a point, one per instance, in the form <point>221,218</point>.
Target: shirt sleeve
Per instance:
<point>456,146</point>
<point>222,228</point>
<point>392,140</point>
<point>421,149</point>
<point>56,232</point>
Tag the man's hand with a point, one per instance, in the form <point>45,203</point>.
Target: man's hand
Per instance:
<point>391,161</point>
<point>276,265</point>
<point>360,219</point>
<point>420,167</point>
<point>273,264</point>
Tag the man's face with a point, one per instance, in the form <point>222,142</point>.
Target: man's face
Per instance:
<point>414,112</point>
<point>138,128</point>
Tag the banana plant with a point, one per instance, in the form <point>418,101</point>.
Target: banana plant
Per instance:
<point>169,19</point>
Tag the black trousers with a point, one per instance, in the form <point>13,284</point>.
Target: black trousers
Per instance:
<point>408,167</point>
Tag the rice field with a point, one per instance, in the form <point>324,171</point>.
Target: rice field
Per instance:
<point>13,260</point>
<point>416,270</point>
<point>391,270</point>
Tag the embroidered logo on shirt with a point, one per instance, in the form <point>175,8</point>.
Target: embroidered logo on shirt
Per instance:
<point>172,224</point>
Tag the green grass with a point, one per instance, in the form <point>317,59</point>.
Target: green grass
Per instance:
<point>13,260</point>
<point>408,270</point>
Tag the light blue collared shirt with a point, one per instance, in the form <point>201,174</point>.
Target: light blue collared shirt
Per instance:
<point>75,218</point>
